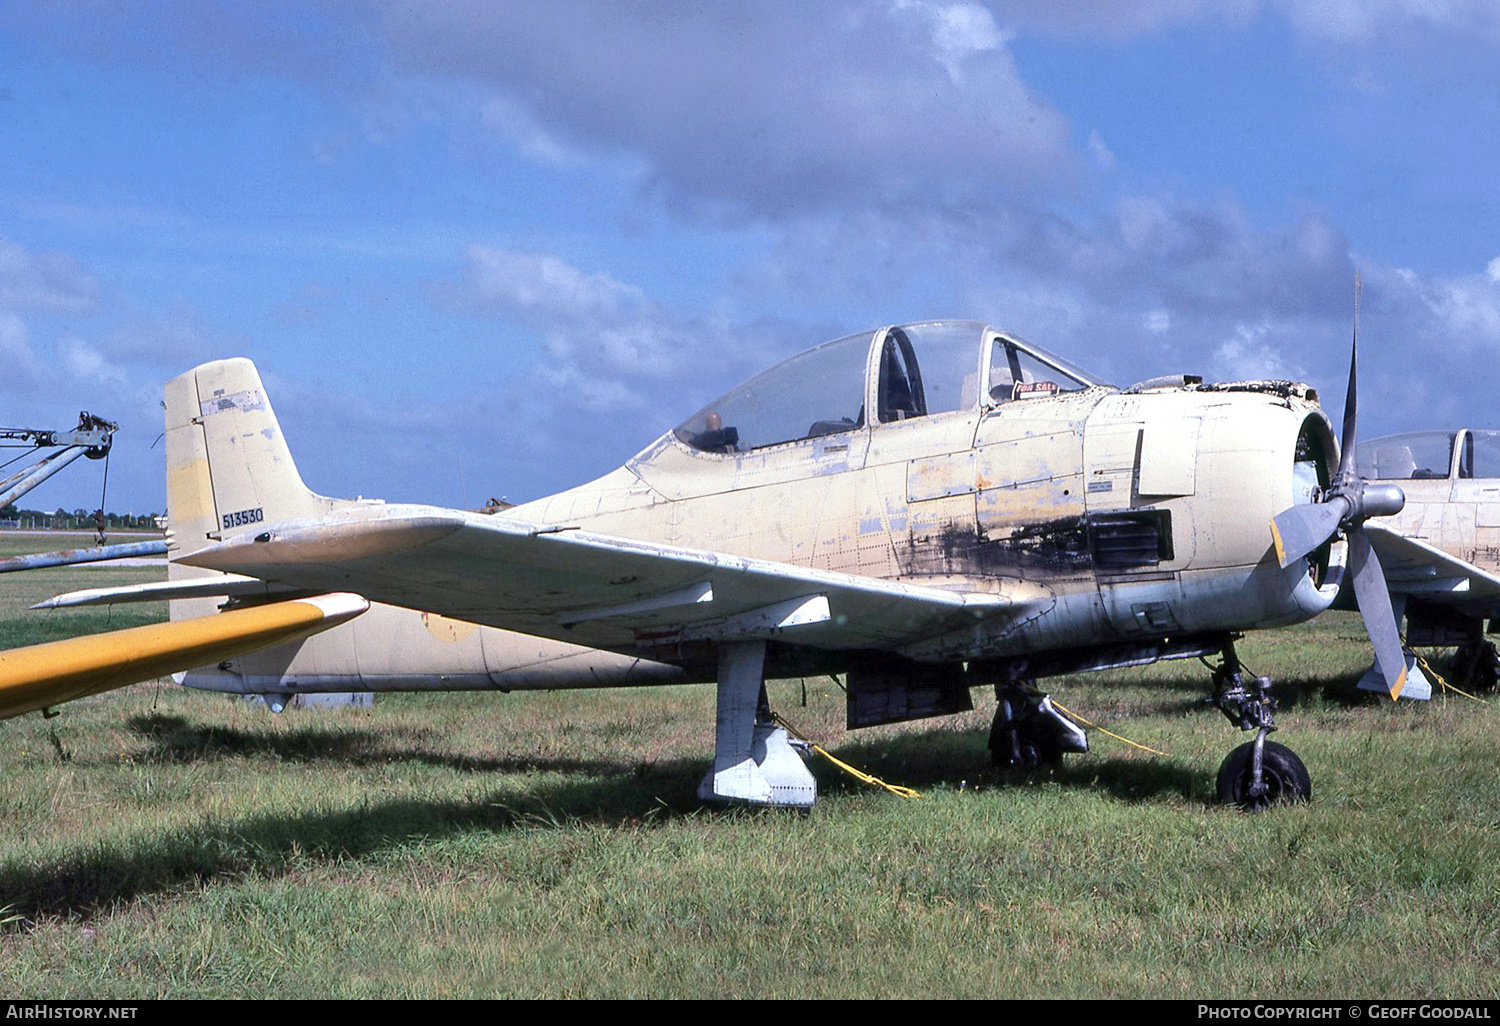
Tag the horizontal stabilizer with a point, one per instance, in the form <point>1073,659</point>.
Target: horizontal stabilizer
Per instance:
<point>49,674</point>
<point>227,586</point>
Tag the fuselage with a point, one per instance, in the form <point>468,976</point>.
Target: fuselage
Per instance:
<point>1451,480</point>
<point>1452,484</point>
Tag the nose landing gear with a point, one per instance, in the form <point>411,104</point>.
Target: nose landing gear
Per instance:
<point>1260,773</point>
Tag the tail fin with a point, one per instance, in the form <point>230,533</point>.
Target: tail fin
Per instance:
<point>228,466</point>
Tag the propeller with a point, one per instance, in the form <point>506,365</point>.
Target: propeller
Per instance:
<point>1348,503</point>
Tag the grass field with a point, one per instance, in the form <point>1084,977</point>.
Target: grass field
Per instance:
<point>159,843</point>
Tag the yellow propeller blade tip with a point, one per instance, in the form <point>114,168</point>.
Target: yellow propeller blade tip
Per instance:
<point>1400,683</point>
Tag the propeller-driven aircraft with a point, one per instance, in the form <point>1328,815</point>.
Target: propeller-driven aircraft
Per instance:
<point>925,508</point>
<point>1441,553</point>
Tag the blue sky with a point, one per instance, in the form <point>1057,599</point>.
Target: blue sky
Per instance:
<point>493,249</point>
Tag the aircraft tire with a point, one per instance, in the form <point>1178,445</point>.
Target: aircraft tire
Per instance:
<point>1286,779</point>
<point>1477,666</point>
<point>1043,742</point>
<point>1039,747</point>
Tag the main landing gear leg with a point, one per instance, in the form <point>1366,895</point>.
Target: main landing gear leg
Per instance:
<point>1028,732</point>
<point>754,761</point>
<point>1477,664</point>
<point>1259,773</point>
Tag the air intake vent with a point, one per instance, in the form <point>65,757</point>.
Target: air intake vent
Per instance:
<point>1134,538</point>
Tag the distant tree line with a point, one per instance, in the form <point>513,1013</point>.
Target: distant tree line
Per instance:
<point>61,519</point>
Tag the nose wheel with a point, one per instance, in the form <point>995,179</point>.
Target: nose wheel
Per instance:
<point>1282,777</point>
<point>1260,773</point>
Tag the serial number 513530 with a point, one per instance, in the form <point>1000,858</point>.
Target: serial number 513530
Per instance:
<point>243,517</point>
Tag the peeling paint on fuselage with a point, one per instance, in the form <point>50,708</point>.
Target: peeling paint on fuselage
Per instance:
<point>1050,549</point>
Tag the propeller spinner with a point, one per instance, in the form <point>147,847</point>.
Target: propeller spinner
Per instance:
<point>1348,503</point>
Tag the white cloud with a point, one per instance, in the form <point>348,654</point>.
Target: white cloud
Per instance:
<point>1461,311</point>
<point>608,350</point>
<point>22,369</point>
<point>51,282</point>
<point>1363,21</point>
<point>959,30</point>
<point>518,124</point>
<point>771,108</point>
<point>1248,354</point>
<point>1349,22</point>
<point>1101,153</point>
<point>89,364</point>
<point>542,285</point>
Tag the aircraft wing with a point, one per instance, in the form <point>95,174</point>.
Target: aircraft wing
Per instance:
<point>1413,567</point>
<point>592,589</point>
<point>48,674</point>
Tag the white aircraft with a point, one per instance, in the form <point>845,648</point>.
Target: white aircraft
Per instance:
<point>926,508</point>
<point>1441,553</point>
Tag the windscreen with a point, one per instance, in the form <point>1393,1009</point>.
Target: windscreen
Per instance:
<point>819,392</point>
<point>1415,456</point>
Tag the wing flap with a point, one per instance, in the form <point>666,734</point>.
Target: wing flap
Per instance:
<point>590,589</point>
<point>39,676</point>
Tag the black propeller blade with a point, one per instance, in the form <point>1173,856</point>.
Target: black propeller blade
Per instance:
<point>1348,503</point>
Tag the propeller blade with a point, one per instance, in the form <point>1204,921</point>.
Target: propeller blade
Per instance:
<point>1374,600</point>
<point>1299,530</point>
<point>1351,395</point>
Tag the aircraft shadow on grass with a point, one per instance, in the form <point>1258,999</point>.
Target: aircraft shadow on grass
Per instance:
<point>931,758</point>
<point>175,740</point>
<point>97,877</point>
<point>939,757</point>
<point>1289,692</point>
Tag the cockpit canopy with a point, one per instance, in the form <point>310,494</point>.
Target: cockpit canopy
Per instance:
<point>1421,455</point>
<point>911,370</point>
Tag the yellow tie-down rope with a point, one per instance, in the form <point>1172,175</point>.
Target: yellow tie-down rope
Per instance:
<point>1074,716</point>
<point>1427,669</point>
<point>896,789</point>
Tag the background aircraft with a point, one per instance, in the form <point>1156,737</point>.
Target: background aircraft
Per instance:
<point>925,508</point>
<point>1441,553</point>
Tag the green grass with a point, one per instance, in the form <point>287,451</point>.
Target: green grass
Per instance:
<point>19,590</point>
<point>162,843</point>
